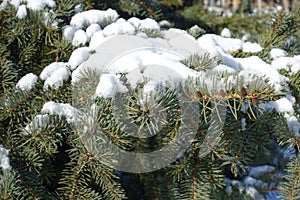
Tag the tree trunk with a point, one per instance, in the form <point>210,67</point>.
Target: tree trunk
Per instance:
<point>286,5</point>
<point>295,4</point>
<point>259,7</point>
<point>205,4</point>
<point>235,5</point>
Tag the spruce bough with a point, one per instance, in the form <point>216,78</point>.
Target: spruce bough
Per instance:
<point>48,159</point>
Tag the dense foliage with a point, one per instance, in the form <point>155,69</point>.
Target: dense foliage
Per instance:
<point>51,162</point>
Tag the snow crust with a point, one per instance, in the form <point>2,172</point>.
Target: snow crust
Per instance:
<point>27,82</point>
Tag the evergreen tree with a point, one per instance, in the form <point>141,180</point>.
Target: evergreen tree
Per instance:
<point>256,151</point>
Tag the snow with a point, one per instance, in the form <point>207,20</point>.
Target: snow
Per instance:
<point>226,33</point>
<point>164,24</point>
<point>96,40</point>
<point>22,5</point>
<point>295,68</point>
<point>78,56</point>
<point>57,78</point>
<point>79,20</point>
<point>148,96</point>
<point>86,18</point>
<point>47,19</point>
<point>248,185</point>
<point>54,75</point>
<point>31,4</point>
<point>150,88</point>
<point>37,124</point>
<point>146,57</point>
<point>80,38</point>
<point>221,47</point>
<point>273,195</point>
<point>147,23</point>
<point>145,62</point>
<point>291,64</point>
<point>251,47</point>
<point>109,85</point>
<point>78,8</point>
<point>119,27</point>
<point>50,3</point>
<point>196,30</point>
<point>175,35</point>
<point>48,71</point>
<point>245,37</point>
<point>4,159</point>
<point>22,12</point>
<point>93,28</point>
<point>251,191</point>
<point>69,31</point>
<point>60,109</point>
<point>27,82</point>
<point>213,43</point>
<point>224,68</point>
<point>140,51</point>
<point>158,65</point>
<point>293,124</point>
<point>260,170</point>
<point>134,21</point>
<point>285,106</point>
<point>36,4</point>
<point>85,29</point>
<point>276,53</point>
<point>15,3</point>
<point>255,65</point>
<point>281,105</point>
<point>151,64</point>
